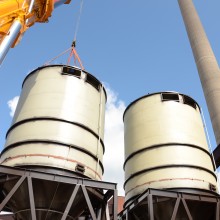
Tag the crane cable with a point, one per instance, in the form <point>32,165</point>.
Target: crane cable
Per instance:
<point>72,49</point>
<point>73,52</point>
<point>78,21</point>
<point>76,57</point>
<point>48,62</point>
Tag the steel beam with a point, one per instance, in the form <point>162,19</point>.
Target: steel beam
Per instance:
<point>150,207</point>
<point>175,209</point>
<point>91,210</point>
<point>187,209</point>
<point>11,193</point>
<point>77,182</point>
<point>115,204</point>
<point>217,211</point>
<point>57,177</point>
<point>73,196</point>
<point>148,195</point>
<point>31,198</point>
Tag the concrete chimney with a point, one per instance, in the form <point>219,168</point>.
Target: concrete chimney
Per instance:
<point>207,66</point>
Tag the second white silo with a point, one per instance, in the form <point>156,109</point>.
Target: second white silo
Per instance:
<point>165,146</point>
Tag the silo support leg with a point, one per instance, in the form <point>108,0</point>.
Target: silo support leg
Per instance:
<point>150,207</point>
<point>217,210</point>
<point>127,216</point>
<point>102,212</point>
<point>115,204</point>
<point>11,193</point>
<point>99,216</point>
<point>31,198</point>
<point>70,202</point>
<point>175,209</point>
<point>187,209</point>
<point>91,210</point>
<point>107,213</point>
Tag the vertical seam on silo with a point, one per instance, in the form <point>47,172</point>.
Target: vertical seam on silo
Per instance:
<point>207,136</point>
<point>210,147</point>
<point>99,129</point>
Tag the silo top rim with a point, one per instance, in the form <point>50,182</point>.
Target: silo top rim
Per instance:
<point>61,65</point>
<point>156,93</point>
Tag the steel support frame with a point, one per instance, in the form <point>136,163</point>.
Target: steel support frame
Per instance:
<point>181,197</point>
<point>110,190</point>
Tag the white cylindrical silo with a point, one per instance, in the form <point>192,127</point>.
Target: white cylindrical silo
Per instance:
<point>165,146</point>
<point>58,123</point>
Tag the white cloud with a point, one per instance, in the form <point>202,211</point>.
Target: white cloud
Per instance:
<point>114,140</point>
<point>12,104</point>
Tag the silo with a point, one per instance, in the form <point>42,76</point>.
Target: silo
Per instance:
<point>166,147</point>
<point>58,123</point>
<point>58,127</point>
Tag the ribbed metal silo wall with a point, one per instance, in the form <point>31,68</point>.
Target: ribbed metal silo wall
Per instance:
<point>58,123</point>
<point>165,146</point>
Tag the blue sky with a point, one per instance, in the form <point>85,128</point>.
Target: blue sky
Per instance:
<point>134,47</point>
